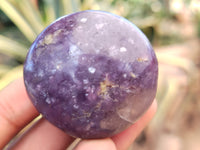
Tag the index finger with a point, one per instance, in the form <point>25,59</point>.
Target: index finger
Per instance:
<point>16,111</point>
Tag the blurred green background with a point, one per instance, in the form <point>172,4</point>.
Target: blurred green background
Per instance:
<point>172,26</point>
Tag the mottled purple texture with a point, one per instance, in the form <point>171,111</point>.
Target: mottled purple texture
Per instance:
<point>92,74</point>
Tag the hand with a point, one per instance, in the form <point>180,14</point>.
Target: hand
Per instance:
<point>16,111</point>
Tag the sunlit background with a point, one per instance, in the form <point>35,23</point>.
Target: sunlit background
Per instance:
<point>172,26</point>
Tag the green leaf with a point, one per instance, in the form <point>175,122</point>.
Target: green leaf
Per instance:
<point>4,69</point>
<point>187,65</point>
<point>12,48</point>
<point>18,19</point>
<point>50,11</point>
<point>32,15</point>
<point>71,6</point>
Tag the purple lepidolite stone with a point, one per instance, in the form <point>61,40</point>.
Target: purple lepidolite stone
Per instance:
<point>91,74</point>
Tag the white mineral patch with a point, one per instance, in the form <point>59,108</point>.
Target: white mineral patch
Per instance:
<point>131,41</point>
<point>97,51</point>
<point>113,51</point>
<point>40,73</point>
<point>83,20</point>
<point>38,87</point>
<point>85,81</point>
<point>124,75</point>
<point>92,70</point>
<point>83,58</point>
<point>75,106</point>
<point>48,101</point>
<point>92,89</point>
<point>58,64</point>
<point>79,28</point>
<point>72,49</point>
<point>122,49</point>
<point>58,67</point>
<point>112,47</point>
<point>53,71</point>
<point>127,67</point>
<point>99,26</point>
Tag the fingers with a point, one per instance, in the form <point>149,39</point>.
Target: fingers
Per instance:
<point>16,111</point>
<point>124,139</point>
<point>100,144</point>
<point>44,136</point>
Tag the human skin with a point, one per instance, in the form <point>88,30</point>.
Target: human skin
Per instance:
<point>17,111</point>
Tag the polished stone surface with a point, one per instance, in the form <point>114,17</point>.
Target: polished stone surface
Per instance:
<point>92,74</point>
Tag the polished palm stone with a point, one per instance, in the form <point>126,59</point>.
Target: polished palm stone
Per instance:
<point>91,74</point>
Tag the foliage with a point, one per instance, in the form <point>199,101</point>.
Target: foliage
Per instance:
<point>30,18</point>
